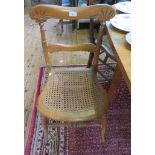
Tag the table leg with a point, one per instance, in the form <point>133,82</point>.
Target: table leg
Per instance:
<point>117,77</point>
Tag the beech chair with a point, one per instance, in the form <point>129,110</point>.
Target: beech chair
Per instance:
<point>106,48</point>
<point>72,95</point>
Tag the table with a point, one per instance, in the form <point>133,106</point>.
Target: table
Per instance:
<point>122,51</point>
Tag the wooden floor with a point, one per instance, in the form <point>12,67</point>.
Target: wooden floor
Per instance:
<point>33,55</point>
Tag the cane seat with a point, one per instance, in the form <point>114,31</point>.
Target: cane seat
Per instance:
<point>72,95</point>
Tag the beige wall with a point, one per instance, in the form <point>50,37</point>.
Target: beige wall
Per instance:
<point>27,2</point>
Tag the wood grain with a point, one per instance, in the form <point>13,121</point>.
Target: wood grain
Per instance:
<point>44,12</point>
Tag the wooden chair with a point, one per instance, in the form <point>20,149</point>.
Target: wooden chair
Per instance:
<point>72,95</point>
<point>107,50</point>
<point>106,47</point>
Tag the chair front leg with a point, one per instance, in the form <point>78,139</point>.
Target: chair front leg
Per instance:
<point>44,122</point>
<point>103,128</point>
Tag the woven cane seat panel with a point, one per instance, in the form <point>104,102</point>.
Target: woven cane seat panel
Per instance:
<point>73,90</point>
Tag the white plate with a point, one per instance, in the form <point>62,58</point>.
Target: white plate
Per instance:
<point>124,7</point>
<point>122,22</point>
<point>128,38</point>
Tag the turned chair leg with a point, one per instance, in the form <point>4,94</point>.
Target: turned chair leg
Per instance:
<point>44,122</point>
<point>103,127</point>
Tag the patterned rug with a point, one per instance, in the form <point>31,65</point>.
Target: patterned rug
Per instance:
<point>84,141</point>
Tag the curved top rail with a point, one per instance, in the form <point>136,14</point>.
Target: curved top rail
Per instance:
<point>102,12</point>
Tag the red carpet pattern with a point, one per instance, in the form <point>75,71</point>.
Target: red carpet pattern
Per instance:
<point>85,141</point>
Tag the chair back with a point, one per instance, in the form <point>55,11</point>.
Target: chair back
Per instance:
<point>41,13</point>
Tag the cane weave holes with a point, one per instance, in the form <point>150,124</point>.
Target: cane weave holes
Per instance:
<point>72,90</point>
